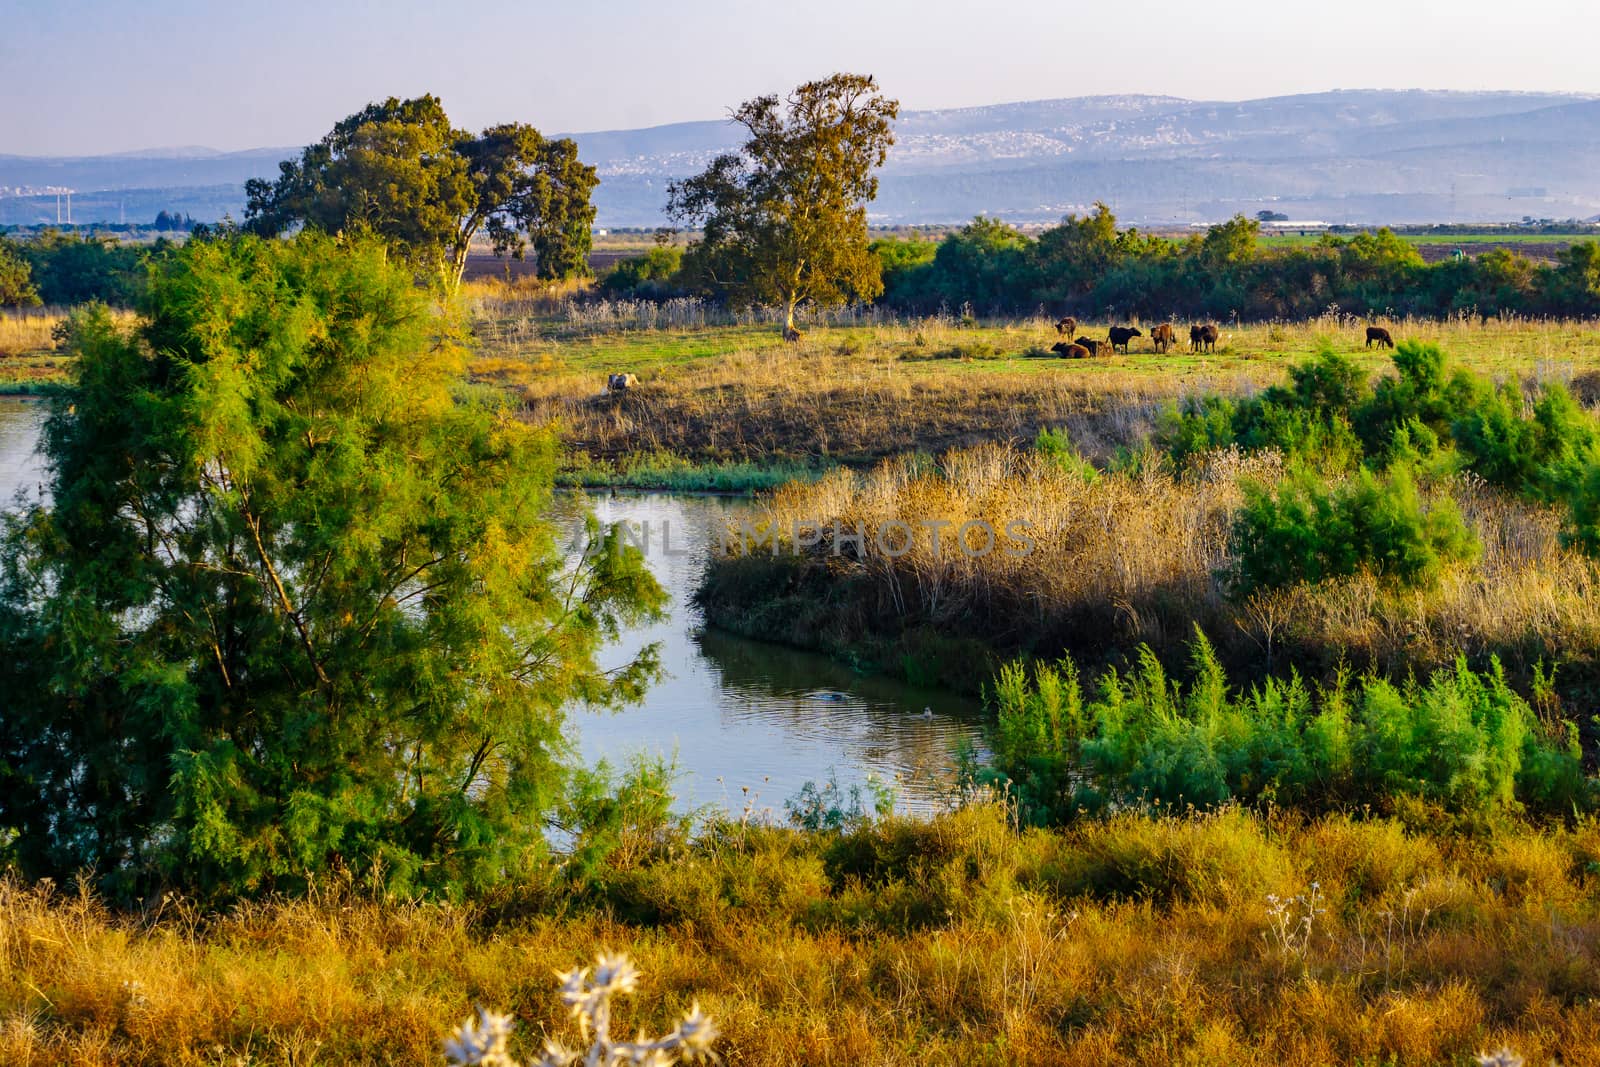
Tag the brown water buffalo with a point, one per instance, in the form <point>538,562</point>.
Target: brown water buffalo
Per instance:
<point>791,334</point>
<point>1091,346</point>
<point>1380,335</point>
<point>1066,326</point>
<point>1121,335</point>
<point>1203,337</point>
<point>1069,350</point>
<point>1161,337</point>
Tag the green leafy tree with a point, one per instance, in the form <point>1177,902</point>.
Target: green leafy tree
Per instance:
<point>784,221</point>
<point>400,170</point>
<point>16,278</point>
<point>296,605</point>
<point>1073,256</point>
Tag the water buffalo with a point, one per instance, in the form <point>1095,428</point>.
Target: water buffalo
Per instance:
<point>791,334</point>
<point>1121,335</point>
<point>1161,337</point>
<point>1380,335</point>
<point>1069,350</point>
<point>1066,326</point>
<point>1090,345</point>
<point>1203,337</point>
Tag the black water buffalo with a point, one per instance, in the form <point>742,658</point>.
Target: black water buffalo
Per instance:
<point>1090,345</point>
<point>1121,335</point>
<point>1380,335</point>
<point>1203,337</point>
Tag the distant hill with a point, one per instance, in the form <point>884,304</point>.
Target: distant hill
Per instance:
<point>1351,156</point>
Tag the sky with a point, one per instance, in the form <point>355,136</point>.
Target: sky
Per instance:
<point>80,77</point>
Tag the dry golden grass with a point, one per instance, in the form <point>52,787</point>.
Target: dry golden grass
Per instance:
<point>1135,941</point>
<point>29,351</point>
<point>1130,559</point>
<point>23,332</point>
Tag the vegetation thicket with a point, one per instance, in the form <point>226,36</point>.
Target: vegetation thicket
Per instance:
<point>1089,266</point>
<point>296,604</point>
<point>63,270</point>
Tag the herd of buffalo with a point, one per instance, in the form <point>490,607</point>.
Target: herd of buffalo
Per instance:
<point>1202,338</point>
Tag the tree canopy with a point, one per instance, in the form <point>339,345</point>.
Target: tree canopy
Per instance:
<point>16,278</point>
<point>399,169</point>
<point>784,220</point>
<point>295,604</point>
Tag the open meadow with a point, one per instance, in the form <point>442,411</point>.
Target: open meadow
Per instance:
<point>868,386</point>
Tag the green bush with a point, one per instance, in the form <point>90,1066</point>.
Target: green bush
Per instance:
<point>1057,446</point>
<point>1462,739</point>
<point>653,275</point>
<point>1302,530</point>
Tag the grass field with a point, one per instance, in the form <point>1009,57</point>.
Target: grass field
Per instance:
<point>1189,940</point>
<point>858,392</point>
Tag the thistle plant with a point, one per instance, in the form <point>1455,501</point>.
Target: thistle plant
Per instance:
<point>482,1042</point>
<point>1504,1058</point>
<point>1290,922</point>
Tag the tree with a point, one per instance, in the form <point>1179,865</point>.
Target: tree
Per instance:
<point>400,170</point>
<point>295,606</point>
<point>16,278</point>
<point>784,220</point>
<point>1073,256</point>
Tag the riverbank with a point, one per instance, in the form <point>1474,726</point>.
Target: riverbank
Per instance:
<point>1227,938</point>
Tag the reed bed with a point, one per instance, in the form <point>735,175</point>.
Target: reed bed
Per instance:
<point>1120,560</point>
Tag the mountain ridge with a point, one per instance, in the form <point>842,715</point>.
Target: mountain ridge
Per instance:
<point>1342,154</point>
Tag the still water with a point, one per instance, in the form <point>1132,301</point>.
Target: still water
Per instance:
<point>748,723</point>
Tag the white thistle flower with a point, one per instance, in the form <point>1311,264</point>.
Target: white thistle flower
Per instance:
<point>1504,1058</point>
<point>481,1043</point>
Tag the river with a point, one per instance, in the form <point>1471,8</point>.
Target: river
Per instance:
<point>748,723</point>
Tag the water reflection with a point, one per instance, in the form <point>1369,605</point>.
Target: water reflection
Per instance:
<point>21,466</point>
<point>743,715</point>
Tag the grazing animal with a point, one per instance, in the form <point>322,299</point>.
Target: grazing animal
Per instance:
<point>1203,337</point>
<point>1069,350</point>
<point>1066,326</point>
<point>791,334</point>
<point>1161,337</point>
<point>1090,345</point>
<point>1380,335</point>
<point>621,383</point>
<point>1121,335</point>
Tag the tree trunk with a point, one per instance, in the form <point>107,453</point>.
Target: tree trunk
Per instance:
<point>789,331</point>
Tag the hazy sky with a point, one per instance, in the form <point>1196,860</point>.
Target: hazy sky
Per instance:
<point>89,76</point>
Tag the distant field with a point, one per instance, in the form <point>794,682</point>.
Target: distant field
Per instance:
<point>1436,246</point>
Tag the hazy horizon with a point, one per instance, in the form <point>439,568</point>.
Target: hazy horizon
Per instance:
<point>88,78</point>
